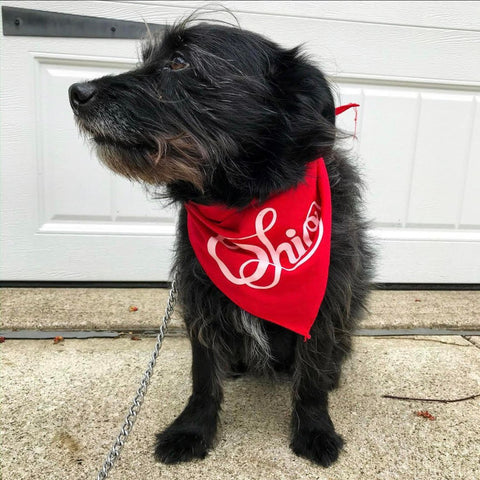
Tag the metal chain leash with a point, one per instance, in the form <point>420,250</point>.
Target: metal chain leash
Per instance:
<point>142,390</point>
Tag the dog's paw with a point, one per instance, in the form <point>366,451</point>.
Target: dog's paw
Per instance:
<point>321,447</point>
<point>183,444</point>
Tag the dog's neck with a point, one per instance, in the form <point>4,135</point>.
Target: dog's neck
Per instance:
<point>255,186</point>
<point>263,174</point>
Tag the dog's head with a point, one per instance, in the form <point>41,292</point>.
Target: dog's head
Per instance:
<point>215,113</point>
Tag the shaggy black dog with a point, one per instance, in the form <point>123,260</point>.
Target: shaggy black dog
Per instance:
<point>218,115</point>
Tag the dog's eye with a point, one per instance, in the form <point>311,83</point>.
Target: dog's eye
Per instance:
<point>177,63</point>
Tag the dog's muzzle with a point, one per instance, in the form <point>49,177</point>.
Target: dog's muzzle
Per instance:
<point>81,94</point>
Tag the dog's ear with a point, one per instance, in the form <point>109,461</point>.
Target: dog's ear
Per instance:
<point>301,81</point>
<point>307,101</point>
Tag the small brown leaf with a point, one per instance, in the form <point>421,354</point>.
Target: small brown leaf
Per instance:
<point>425,414</point>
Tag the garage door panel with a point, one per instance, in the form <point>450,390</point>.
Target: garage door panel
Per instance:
<point>76,192</point>
<point>417,146</point>
<point>74,186</point>
<point>443,144</point>
<point>470,216</point>
<point>411,253</point>
<point>386,146</point>
<point>131,202</point>
<point>419,150</point>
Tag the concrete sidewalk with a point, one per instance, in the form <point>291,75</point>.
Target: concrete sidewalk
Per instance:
<point>108,309</point>
<point>62,404</point>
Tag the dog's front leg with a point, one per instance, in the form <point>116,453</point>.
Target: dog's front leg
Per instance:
<point>192,434</point>
<point>313,433</point>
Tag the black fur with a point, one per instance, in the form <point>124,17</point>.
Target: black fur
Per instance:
<point>218,114</point>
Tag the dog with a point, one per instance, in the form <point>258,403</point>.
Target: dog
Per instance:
<point>226,121</point>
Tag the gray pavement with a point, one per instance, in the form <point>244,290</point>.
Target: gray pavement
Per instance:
<point>62,404</point>
<point>108,309</point>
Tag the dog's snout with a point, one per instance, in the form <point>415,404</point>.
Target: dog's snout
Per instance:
<point>80,94</point>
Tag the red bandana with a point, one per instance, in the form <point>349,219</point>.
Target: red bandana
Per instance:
<point>270,259</point>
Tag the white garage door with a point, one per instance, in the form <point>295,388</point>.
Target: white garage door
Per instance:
<point>413,67</point>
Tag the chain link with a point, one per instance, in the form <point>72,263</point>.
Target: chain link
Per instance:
<point>131,417</point>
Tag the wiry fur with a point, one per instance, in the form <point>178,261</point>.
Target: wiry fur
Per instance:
<point>222,115</point>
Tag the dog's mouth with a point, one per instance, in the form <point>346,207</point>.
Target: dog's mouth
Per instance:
<point>110,146</point>
<point>155,162</point>
<point>159,159</point>
<point>135,147</point>
<point>103,139</point>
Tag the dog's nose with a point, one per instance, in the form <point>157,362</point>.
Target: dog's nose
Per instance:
<point>80,94</point>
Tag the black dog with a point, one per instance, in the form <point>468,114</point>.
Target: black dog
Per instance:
<point>222,116</point>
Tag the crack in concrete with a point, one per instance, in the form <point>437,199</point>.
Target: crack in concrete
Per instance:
<point>473,340</point>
